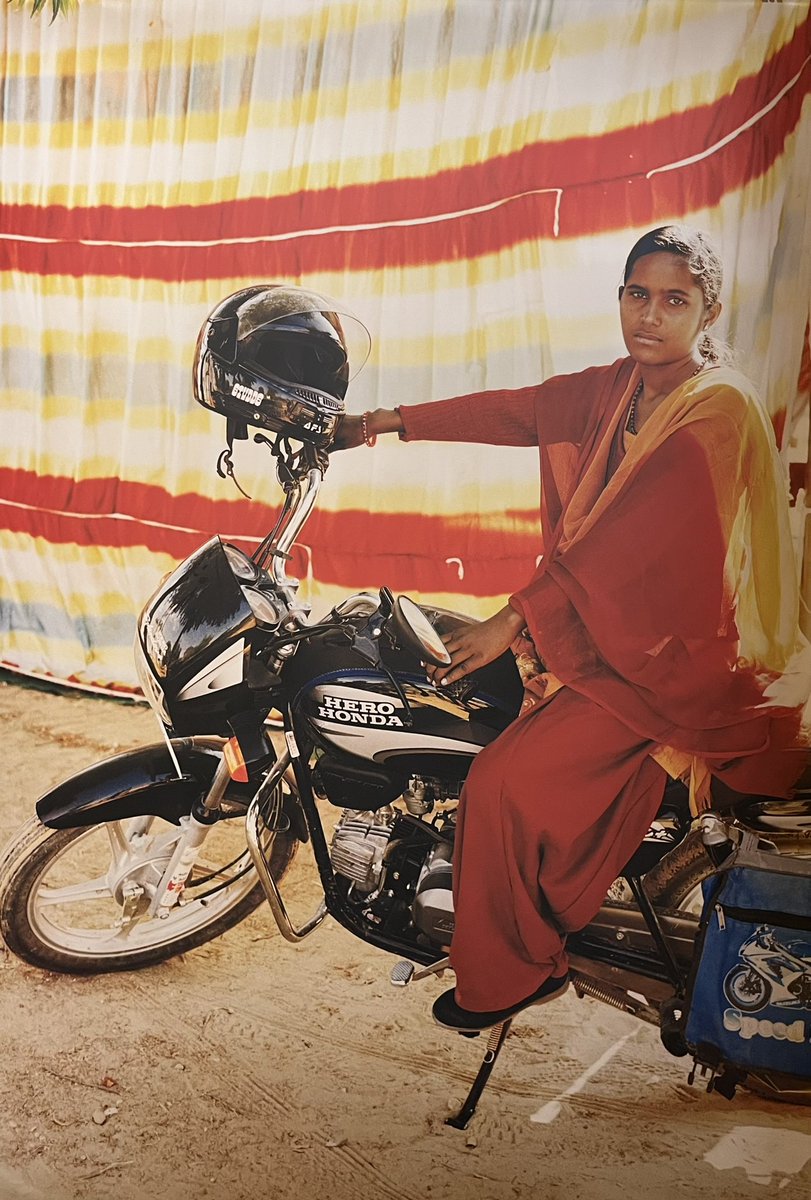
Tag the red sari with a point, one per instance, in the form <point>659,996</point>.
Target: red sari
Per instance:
<point>666,607</point>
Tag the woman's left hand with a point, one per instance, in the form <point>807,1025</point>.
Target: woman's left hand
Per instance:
<point>474,646</point>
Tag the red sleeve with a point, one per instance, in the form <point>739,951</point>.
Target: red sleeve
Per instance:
<point>559,409</point>
<point>504,418</point>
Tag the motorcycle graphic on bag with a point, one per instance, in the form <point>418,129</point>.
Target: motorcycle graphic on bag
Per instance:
<point>772,974</point>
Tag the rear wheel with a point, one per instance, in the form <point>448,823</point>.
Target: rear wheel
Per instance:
<point>75,900</point>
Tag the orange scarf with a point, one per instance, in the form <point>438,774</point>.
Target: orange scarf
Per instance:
<point>669,594</point>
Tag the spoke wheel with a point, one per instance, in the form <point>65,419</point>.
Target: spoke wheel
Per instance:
<point>77,900</point>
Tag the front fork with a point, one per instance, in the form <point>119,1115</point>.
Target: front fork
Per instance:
<point>193,832</point>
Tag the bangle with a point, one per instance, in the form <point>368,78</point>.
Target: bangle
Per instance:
<point>368,438</point>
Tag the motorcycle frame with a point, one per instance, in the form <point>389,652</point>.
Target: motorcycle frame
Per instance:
<point>656,967</point>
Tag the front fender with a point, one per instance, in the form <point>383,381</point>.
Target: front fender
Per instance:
<point>138,783</point>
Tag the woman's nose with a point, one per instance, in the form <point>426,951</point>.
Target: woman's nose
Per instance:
<point>651,316</point>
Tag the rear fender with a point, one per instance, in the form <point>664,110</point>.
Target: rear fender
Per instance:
<point>138,783</point>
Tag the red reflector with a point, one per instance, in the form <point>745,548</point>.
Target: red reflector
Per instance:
<point>234,760</point>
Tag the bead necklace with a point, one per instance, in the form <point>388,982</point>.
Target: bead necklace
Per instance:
<point>631,422</point>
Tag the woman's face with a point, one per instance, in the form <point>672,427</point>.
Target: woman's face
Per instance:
<point>662,311</point>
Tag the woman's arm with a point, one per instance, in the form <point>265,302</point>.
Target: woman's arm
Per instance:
<point>558,410</point>
<point>505,418</point>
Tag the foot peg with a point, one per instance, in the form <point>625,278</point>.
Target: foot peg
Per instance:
<point>404,972</point>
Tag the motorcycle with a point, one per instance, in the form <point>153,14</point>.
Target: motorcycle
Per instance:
<point>150,853</point>
<point>771,973</point>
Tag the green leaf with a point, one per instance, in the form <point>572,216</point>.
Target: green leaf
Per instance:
<point>57,6</point>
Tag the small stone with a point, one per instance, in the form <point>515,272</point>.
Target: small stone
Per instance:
<point>99,1116</point>
<point>471,1142</point>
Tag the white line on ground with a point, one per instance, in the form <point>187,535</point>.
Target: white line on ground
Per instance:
<point>547,1113</point>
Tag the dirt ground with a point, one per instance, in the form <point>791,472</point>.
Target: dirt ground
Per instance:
<point>252,1068</point>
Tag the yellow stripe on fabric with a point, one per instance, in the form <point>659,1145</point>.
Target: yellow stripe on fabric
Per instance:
<point>322,597</point>
<point>331,17</point>
<point>98,344</point>
<point>104,665</point>
<point>92,558</point>
<point>102,603</point>
<point>530,53</point>
<point>306,110</point>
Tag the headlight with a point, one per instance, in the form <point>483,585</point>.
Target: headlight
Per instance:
<point>244,568</point>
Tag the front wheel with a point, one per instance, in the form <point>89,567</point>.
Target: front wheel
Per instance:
<point>747,990</point>
<point>74,900</point>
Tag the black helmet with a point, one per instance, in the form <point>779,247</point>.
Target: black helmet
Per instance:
<point>275,358</point>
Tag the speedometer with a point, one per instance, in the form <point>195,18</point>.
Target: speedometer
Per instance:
<point>243,567</point>
<point>263,607</point>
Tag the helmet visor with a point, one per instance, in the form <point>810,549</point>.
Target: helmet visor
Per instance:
<point>298,334</point>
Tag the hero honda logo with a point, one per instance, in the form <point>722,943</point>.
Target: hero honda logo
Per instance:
<point>249,395</point>
<point>346,710</point>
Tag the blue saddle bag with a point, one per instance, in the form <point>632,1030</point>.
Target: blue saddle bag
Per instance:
<point>749,997</point>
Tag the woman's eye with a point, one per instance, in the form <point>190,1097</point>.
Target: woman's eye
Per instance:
<point>677,301</point>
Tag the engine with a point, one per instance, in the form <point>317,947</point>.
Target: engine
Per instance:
<point>433,902</point>
<point>400,867</point>
<point>358,845</point>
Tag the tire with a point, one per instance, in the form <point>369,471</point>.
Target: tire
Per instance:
<point>40,926</point>
<point>746,990</point>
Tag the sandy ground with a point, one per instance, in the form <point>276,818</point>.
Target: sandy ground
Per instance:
<point>253,1068</point>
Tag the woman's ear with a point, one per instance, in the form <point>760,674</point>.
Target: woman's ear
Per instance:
<point>712,315</point>
<point>620,290</point>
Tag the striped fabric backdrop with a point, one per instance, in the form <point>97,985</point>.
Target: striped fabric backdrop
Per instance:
<point>466,175</point>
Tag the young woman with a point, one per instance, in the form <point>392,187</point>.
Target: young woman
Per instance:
<point>657,637</point>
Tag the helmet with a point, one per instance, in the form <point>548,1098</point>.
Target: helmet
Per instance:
<point>274,357</point>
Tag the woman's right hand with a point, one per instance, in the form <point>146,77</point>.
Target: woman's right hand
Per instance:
<point>350,430</point>
<point>349,433</point>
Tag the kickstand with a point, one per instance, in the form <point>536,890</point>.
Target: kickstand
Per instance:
<point>494,1043</point>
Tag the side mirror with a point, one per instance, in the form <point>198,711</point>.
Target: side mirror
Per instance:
<point>417,633</point>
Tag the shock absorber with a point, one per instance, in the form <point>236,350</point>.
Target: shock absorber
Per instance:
<point>615,997</point>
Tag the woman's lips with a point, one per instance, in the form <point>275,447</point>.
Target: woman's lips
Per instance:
<point>650,338</point>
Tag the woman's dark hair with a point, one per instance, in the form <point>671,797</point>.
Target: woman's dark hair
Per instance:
<point>704,264</point>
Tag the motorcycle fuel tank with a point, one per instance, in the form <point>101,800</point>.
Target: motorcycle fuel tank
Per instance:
<point>350,706</point>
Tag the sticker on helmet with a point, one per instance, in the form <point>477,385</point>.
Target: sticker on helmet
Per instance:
<point>249,395</point>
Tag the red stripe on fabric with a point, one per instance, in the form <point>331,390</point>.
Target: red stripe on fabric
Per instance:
<point>598,196</point>
<point>576,162</point>
<point>351,548</point>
